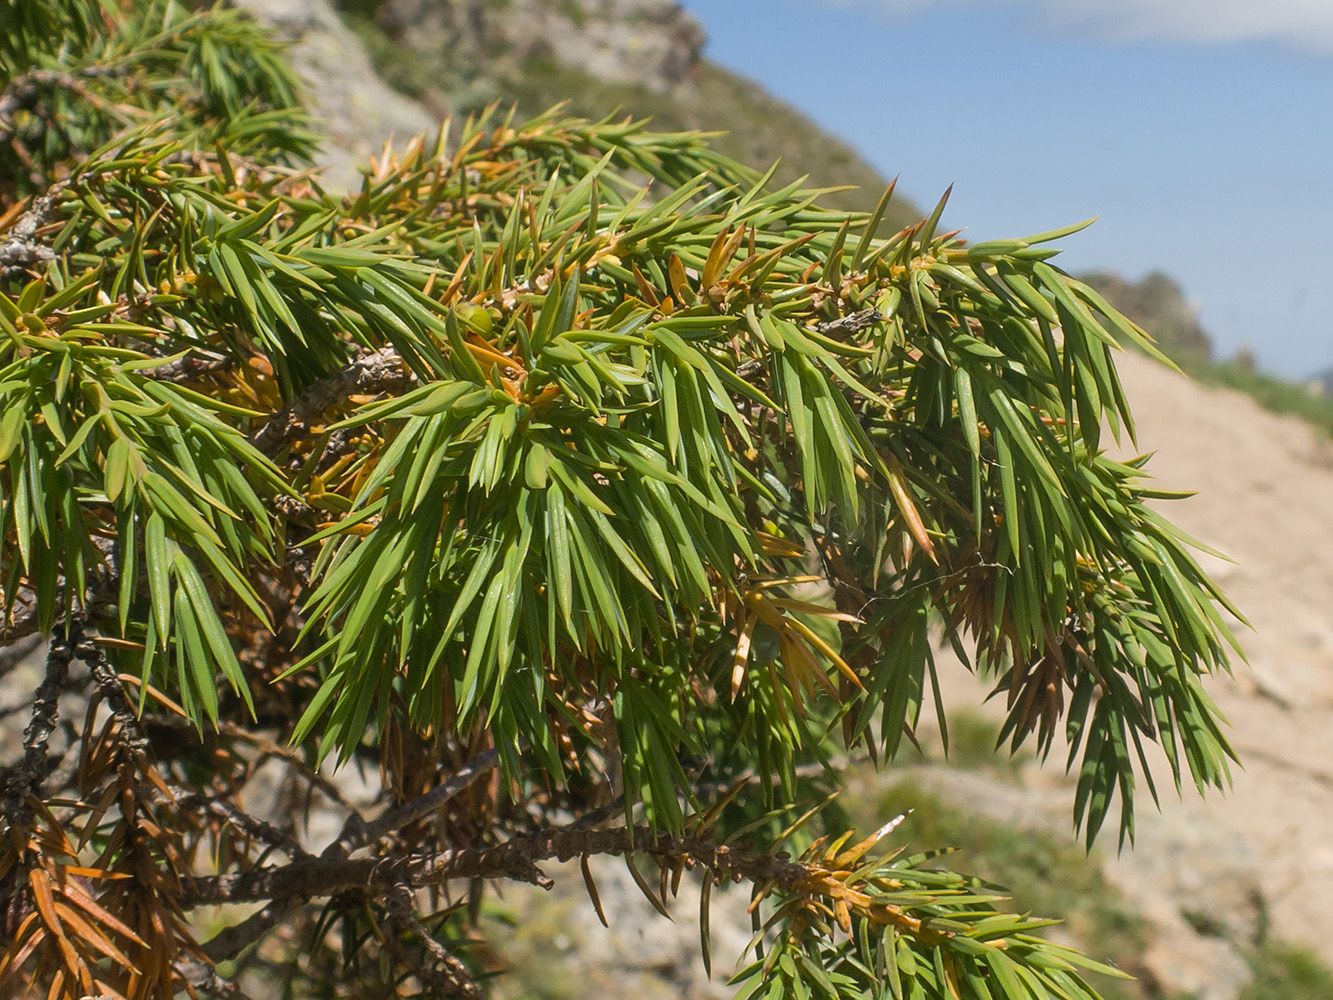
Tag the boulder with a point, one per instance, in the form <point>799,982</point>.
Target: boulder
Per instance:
<point>358,111</point>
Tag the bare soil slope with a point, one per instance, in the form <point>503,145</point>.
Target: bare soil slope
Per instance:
<point>1265,498</point>
<point>1213,877</point>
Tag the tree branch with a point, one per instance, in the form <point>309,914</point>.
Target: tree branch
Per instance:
<point>373,373</point>
<point>515,860</point>
<point>27,775</point>
<point>231,941</point>
<point>21,250</point>
<point>357,833</point>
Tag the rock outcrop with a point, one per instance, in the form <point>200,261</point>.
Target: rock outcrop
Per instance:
<point>648,43</point>
<point>356,109</point>
<point>1157,304</point>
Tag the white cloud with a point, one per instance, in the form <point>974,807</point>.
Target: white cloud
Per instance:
<point>1306,24</point>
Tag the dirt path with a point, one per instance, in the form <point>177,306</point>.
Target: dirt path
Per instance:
<point>1259,859</point>
<point>1265,497</point>
<point>1264,488</point>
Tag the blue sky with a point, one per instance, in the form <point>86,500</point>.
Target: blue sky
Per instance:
<point>1200,131</point>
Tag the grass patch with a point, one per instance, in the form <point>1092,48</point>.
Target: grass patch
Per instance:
<point>973,739</point>
<point>534,951</point>
<point>1288,972</point>
<point>1273,394</point>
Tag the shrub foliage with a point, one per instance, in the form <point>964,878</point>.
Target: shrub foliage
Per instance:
<point>579,487</point>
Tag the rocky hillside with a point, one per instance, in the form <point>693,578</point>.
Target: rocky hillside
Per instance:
<point>1218,875</point>
<point>382,67</point>
<point>1158,305</point>
<point>642,58</point>
<point>357,110</point>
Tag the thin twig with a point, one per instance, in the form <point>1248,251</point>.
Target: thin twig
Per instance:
<point>259,829</point>
<point>190,368</point>
<point>23,90</point>
<point>357,833</point>
<point>845,326</point>
<point>21,250</point>
<point>370,374</point>
<point>267,748</point>
<point>26,778</point>
<point>449,975</point>
<point>231,941</point>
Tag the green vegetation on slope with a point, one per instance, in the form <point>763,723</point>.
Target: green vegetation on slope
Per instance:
<point>1157,304</point>
<point>756,128</point>
<point>1285,972</point>
<point>1272,393</point>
